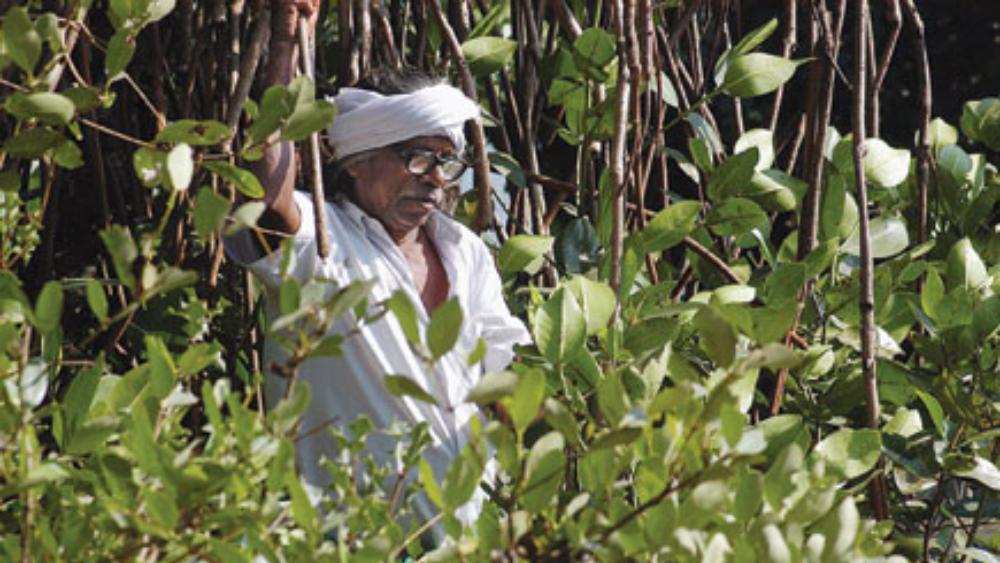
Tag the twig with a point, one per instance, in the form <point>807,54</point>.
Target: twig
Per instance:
<point>713,259</point>
<point>895,23</point>
<point>481,165</point>
<point>924,86</point>
<point>118,135</point>
<point>415,535</point>
<point>867,298</point>
<point>315,163</point>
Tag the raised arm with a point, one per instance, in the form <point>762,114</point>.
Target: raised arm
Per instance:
<point>277,169</point>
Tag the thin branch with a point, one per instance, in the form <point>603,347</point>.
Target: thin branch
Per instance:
<point>924,86</point>
<point>480,163</point>
<point>879,494</point>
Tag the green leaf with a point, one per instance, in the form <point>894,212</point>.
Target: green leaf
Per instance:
<point>493,387</point>
<point>849,453</point>
<point>149,165</point>
<point>774,190</point>
<point>523,253</point>
<point>612,398</point>
<point>123,252</point>
<point>401,306</point>
<point>307,119</point>
<point>760,139</point>
<point>84,98</point>
<point>303,511</point>
<point>934,409</point>
<point>718,338</point>
<point>756,74</point>
<point>403,386</point>
<point>245,216</point>
<point>888,237</point>
<point>34,382</point>
<point>732,175</point>
<point>783,283</point>
<point>159,9</point>
<point>984,471</point>
<point>478,353</point>
<point>210,211</point>
<point>736,216</point>
<point>527,399</point>
<point>497,15</point>
<point>23,43</point>
<point>180,166</point>
<point>597,299</point>
<point>193,132</point>
<point>46,472</point>
<point>118,55</point>
<point>885,166</point>
<point>965,267</point>
<point>463,476</point>
<point>755,38</point>
<point>981,121</point>
<point>940,133</point>
<point>32,143</point>
<point>543,472</point>
<point>243,180</point>
<point>68,155</point>
<point>97,300</point>
<point>429,483</point>
<point>48,107</point>
<point>48,307</point>
<point>161,508</point>
<point>559,327</point>
<point>932,293</point>
<point>443,330</point>
<point>669,227</point>
<point>487,55</point>
<point>592,51</point>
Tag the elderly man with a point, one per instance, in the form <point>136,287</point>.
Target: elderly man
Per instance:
<point>397,150</point>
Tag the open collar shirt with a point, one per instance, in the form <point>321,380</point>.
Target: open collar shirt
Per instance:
<point>350,385</point>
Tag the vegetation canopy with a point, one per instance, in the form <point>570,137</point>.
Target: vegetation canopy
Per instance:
<point>760,274</point>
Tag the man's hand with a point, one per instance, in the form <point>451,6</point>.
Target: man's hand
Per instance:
<point>285,16</point>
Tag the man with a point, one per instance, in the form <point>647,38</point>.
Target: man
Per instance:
<point>397,150</point>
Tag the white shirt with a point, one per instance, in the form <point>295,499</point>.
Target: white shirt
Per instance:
<point>350,385</point>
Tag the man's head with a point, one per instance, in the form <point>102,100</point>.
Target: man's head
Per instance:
<point>400,145</point>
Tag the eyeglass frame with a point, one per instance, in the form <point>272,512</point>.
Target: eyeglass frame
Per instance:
<point>406,155</point>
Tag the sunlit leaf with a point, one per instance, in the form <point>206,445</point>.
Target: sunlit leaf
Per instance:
<point>559,327</point>
<point>210,210</point>
<point>523,253</point>
<point>756,74</point>
<point>403,386</point>
<point>888,237</point>
<point>850,453</point>
<point>488,54</point>
<point>444,328</point>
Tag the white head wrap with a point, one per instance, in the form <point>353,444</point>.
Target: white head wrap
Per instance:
<point>368,120</point>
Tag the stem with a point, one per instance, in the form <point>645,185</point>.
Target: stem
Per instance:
<point>480,163</point>
<point>867,299</point>
<point>617,164</point>
<point>924,86</point>
<point>315,161</point>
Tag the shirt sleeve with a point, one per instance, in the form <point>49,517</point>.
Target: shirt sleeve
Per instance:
<point>498,327</point>
<point>304,262</point>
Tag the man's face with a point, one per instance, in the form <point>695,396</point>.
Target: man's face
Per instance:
<point>400,200</point>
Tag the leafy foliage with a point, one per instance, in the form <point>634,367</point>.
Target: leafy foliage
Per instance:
<point>637,426</point>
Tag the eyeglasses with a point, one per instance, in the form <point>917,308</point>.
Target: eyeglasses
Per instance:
<point>422,161</point>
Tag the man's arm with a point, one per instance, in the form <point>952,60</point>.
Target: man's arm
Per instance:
<point>276,170</point>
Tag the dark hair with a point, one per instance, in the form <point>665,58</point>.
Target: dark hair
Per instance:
<point>386,81</point>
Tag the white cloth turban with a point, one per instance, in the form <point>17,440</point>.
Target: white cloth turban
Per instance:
<point>368,120</point>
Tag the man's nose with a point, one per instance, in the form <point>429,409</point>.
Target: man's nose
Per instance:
<point>437,177</point>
